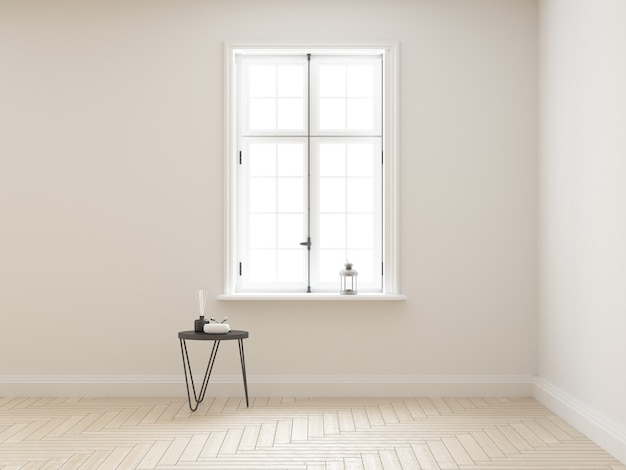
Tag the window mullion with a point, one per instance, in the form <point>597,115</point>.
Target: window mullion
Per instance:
<point>308,157</point>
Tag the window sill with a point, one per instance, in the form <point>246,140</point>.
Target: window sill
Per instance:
<point>313,297</point>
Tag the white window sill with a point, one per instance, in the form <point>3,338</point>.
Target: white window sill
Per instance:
<point>314,297</point>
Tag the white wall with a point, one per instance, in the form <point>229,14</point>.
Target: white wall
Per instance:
<point>111,190</point>
<point>581,354</point>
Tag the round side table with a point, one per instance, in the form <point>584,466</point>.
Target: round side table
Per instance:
<point>191,335</point>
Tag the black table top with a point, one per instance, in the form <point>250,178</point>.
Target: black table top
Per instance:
<point>232,334</point>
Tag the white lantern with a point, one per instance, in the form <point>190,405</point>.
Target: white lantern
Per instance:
<point>348,280</point>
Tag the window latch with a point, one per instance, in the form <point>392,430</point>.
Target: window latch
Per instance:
<point>307,243</point>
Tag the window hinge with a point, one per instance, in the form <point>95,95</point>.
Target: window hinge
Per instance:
<point>240,157</point>
<point>382,158</point>
<point>240,269</point>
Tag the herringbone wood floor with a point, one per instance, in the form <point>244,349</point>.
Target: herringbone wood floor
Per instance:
<point>291,433</point>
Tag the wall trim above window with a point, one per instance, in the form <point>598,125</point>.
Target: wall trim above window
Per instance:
<point>389,50</point>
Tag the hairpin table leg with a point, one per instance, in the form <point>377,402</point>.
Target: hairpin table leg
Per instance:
<point>189,375</point>
<point>243,370</point>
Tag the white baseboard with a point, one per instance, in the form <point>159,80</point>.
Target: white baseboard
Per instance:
<point>607,435</point>
<point>269,385</point>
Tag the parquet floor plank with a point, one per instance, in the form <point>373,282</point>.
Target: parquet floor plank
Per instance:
<point>425,458</point>
<point>407,458</point>
<point>346,421</point>
<point>315,426</point>
<point>441,454</point>
<point>388,413</point>
<point>54,464</point>
<point>12,431</point>
<point>372,462</point>
<point>389,459</point>
<point>474,450</point>
<point>134,457</point>
<point>299,428</point>
<point>353,463</point>
<point>249,438</point>
<point>359,416</point>
<point>291,433</point>
<point>331,423</point>
<point>116,457</point>
<point>231,441</point>
<point>374,416</point>
<point>154,455</point>
<point>428,407</point>
<point>283,432</point>
<point>415,409</point>
<point>457,451</point>
<point>213,445</point>
<point>193,449</point>
<point>266,434</point>
<point>75,461</point>
<point>174,451</point>
<point>94,460</point>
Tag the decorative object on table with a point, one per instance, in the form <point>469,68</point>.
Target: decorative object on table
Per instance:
<point>348,280</point>
<point>200,322</point>
<point>215,328</point>
<point>198,325</point>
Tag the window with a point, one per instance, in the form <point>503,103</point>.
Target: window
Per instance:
<point>309,170</point>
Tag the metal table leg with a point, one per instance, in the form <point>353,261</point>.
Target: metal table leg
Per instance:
<point>243,369</point>
<point>207,375</point>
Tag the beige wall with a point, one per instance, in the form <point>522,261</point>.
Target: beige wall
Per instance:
<point>583,218</point>
<point>111,189</point>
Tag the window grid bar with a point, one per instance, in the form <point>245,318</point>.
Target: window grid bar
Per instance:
<point>308,158</point>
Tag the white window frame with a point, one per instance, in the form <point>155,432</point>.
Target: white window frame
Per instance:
<point>390,53</point>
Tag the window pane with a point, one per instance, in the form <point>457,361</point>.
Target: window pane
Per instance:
<point>332,81</point>
<point>332,159</point>
<point>262,159</point>
<point>360,233</point>
<point>262,195</point>
<point>262,81</point>
<point>290,160</point>
<point>360,195</point>
<point>291,230</point>
<point>272,182</point>
<point>332,231</point>
<point>361,160</point>
<point>290,195</point>
<point>290,81</point>
<point>290,113</point>
<point>360,113</point>
<point>332,195</point>
<point>262,113</point>
<point>290,266</point>
<point>262,265</point>
<point>360,81</point>
<point>332,113</point>
<point>331,264</point>
<point>262,231</point>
